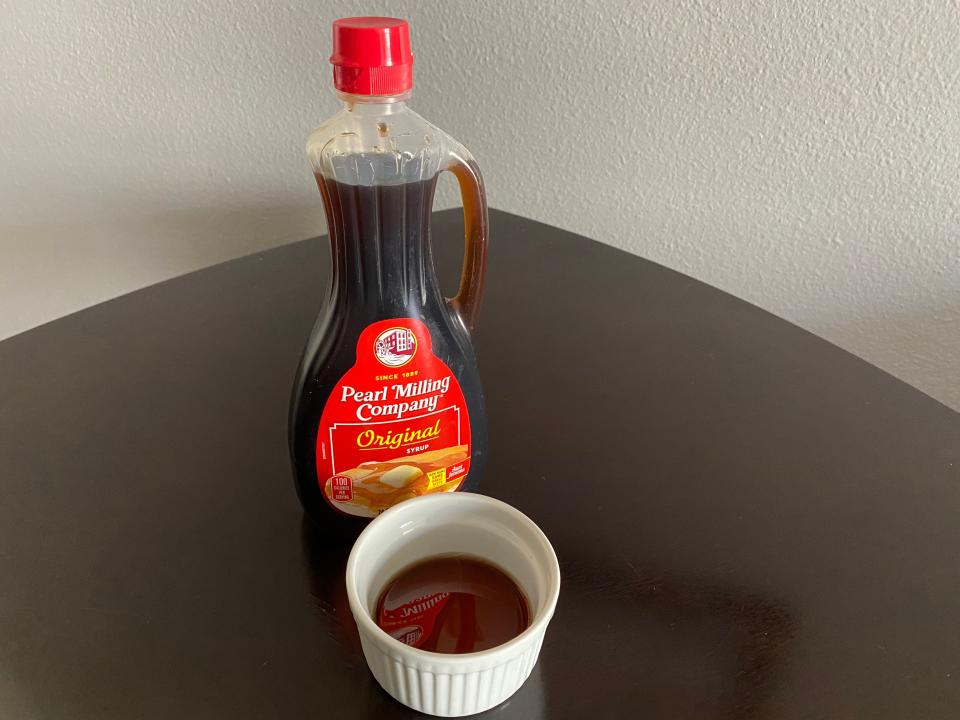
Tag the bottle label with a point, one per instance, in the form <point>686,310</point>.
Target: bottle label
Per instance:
<point>396,424</point>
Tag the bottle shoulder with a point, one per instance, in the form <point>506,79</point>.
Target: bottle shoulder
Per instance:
<point>332,345</point>
<point>380,145</point>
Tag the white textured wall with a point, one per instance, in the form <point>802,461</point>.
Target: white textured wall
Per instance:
<point>804,156</point>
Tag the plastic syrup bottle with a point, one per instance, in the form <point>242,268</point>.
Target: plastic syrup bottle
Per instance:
<point>387,403</point>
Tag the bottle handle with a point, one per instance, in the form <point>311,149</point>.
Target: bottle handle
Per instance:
<point>476,230</point>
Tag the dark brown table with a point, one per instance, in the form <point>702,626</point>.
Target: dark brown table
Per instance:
<point>751,522</point>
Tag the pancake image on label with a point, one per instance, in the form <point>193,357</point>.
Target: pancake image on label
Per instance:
<point>379,484</point>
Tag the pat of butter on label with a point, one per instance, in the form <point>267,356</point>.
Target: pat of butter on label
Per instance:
<point>400,476</point>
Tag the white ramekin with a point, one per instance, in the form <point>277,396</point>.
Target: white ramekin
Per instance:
<point>437,683</point>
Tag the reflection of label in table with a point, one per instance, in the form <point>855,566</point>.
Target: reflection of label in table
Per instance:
<point>395,426</point>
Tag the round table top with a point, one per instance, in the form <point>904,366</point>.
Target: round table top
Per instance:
<point>751,522</point>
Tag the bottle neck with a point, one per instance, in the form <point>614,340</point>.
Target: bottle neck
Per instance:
<point>374,105</point>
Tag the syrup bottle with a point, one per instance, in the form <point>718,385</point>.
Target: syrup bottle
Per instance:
<point>387,403</point>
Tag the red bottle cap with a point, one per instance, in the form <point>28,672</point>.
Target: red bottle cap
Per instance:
<point>371,56</point>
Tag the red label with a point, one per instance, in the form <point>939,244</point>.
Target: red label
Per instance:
<point>341,488</point>
<point>396,424</point>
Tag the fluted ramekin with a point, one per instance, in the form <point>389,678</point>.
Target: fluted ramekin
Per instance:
<point>438,683</point>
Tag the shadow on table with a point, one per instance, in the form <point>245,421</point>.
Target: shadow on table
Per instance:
<point>325,563</point>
